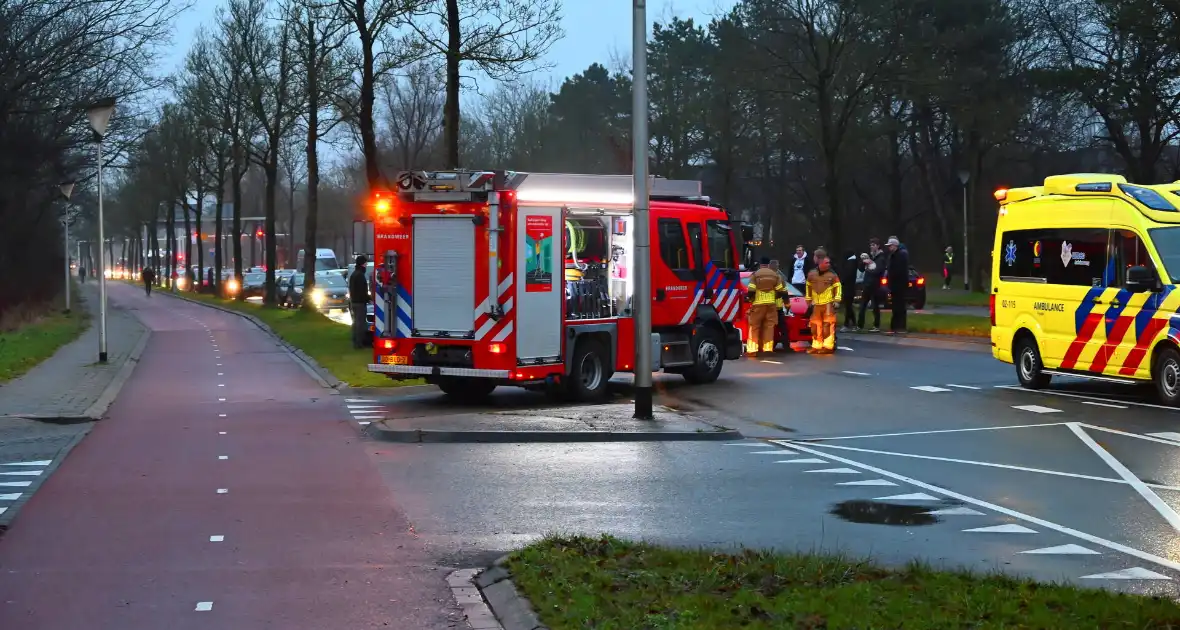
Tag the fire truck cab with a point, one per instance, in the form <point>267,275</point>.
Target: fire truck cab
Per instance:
<point>505,278</point>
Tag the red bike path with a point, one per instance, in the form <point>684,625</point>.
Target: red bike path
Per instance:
<point>119,537</point>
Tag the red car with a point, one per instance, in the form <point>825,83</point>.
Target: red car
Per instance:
<point>797,312</point>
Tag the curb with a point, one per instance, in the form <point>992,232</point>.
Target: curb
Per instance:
<point>418,436</point>
<point>309,365</point>
<point>490,599</point>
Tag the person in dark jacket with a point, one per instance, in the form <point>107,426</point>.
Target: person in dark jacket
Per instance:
<point>948,266</point>
<point>873,265</point>
<point>358,293</point>
<point>898,270</point>
<point>149,278</point>
<point>849,265</point>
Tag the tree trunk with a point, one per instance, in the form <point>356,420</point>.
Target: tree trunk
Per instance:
<point>313,163</point>
<point>368,137</point>
<point>451,106</point>
<point>188,242</point>
<point>271,253</point>
<point>215,287</point>
<point>291,226</point>
<point>199,237</point>
<point>236,173</point>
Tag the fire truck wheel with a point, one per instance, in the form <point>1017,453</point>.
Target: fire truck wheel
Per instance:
<point>467,389</point>
<point>707,359</point>
<point>588,380</point>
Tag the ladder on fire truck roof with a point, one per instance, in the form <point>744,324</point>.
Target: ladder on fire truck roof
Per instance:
<point>541,188</point>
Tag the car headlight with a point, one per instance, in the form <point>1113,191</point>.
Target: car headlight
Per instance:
<point>232,286</point>
<point>317,297</point>
<point>180,282</point>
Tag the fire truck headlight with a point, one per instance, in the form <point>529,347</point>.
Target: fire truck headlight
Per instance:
<point>317,297</point>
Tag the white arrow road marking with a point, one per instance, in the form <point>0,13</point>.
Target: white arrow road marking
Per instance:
<point>22,473</point>
<point>806,460</point>
<point>46,462</point>
<point>916,496</point>
<point>1009,528</point>
<point>867,482</point>
<point>835,471</point>
<point>1075,550</point>
<point>956,511</point>
<point>1036,408</point>
<point>1134,573</point>
<point>930,388</point>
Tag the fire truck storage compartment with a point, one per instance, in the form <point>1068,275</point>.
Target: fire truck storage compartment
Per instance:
<point>444,276</point>
<point>539,284</point>
<point>587,259</point>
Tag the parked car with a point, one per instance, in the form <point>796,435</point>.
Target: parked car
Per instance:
<point>916,296</point>
<point>330,292</point>
<point>253,284</point>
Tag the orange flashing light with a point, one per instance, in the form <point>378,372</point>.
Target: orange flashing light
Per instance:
<point>382,202</point>
<point>1001,194</point>
<point>496,348</point>
<point>387,344</point>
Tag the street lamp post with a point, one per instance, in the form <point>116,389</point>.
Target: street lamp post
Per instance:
<point>642,297</point>
<point>99,115</point>
<point>67,189</point>
<point>964,176</point>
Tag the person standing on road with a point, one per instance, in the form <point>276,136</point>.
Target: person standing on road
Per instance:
<point>824,293</point>
<point>849,267</point>
<point>800,265</point>
<point>780,317</point>
<point>149,277</point>
<point>358,292</point>
<point>948,261</point>
<point>874,267</point>
<point>81,274</point>
<point>763,291</point>
<point>898,274</point>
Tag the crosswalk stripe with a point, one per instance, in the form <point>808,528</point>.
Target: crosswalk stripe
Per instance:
<point>41,462</point>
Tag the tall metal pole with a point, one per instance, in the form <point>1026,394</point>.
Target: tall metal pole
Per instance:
<point>102,276</point>
<point>66,222</point>
<point>966,267</point>
<point>639,139</point>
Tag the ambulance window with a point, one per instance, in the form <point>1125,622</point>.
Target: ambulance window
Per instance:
<point>1129,251</point>
<point>673,246</point>
<point>721,245</point>
<point>1021,254</point>
<point>1075,257</point>
<point>1167,245</point>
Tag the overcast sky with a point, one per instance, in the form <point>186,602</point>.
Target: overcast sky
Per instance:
<point>594,30</point>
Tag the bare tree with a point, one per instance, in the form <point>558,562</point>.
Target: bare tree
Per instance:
<point>381,50</point>
<point>413,113</point>
<point>501,38</point>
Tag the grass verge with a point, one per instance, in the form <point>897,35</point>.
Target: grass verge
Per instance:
<point>582,582</point>
<point>962,325</point>
<point>41,334</point>
<point>954,297</point>
<point>326,341</point>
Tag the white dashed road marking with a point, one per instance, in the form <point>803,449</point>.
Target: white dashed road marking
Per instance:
<point>21,473</point>
<point>774,362</point>
<point>217,539</point>
<point>855,373</point>
<point>15,484</point>
<point>867,482</point>
<point>1007,528</point>
<point>806,460</point>
<point>1036,408</point>
<point>915,496</point>
<point>1134,573</point>
<point>204,606</point>
<point>42,462</point>
<point>222,490</point>
<point>836,471</point>
<point>1098,404</point>
<point>223,457</point>
<point>961,386</point>
<point>365,423</point>
<point>10,497</point>
<point>930,388</point>
<point>1063,550</point>
<point>956,511</point>
<point>777,451</point>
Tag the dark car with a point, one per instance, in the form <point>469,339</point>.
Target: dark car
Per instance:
<point>915,296</point>
<point>253,284</point>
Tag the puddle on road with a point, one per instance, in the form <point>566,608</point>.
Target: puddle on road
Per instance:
<point>880,513</point>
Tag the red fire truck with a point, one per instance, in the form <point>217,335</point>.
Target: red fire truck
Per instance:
<point>506,278</point>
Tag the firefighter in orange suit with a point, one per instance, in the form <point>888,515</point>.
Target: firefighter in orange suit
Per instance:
<point>824,293</point>
<point>764,291</point>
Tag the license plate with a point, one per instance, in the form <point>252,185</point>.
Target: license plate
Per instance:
<point>393,359</point>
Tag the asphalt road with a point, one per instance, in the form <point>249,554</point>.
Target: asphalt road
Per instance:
<point>884,450</point>
<point>225,489</point>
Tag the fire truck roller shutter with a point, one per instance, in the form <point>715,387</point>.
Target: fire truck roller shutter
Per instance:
<point>444,275</point>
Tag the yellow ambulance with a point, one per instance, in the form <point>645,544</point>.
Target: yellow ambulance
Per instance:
<point>1084,273</point>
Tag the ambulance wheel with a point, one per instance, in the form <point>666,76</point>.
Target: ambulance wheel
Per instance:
<point>467,389</point>
<point>587,381</point>
<point>1028,364</point>
<point>1166,375</point>
<point>707,359</point>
